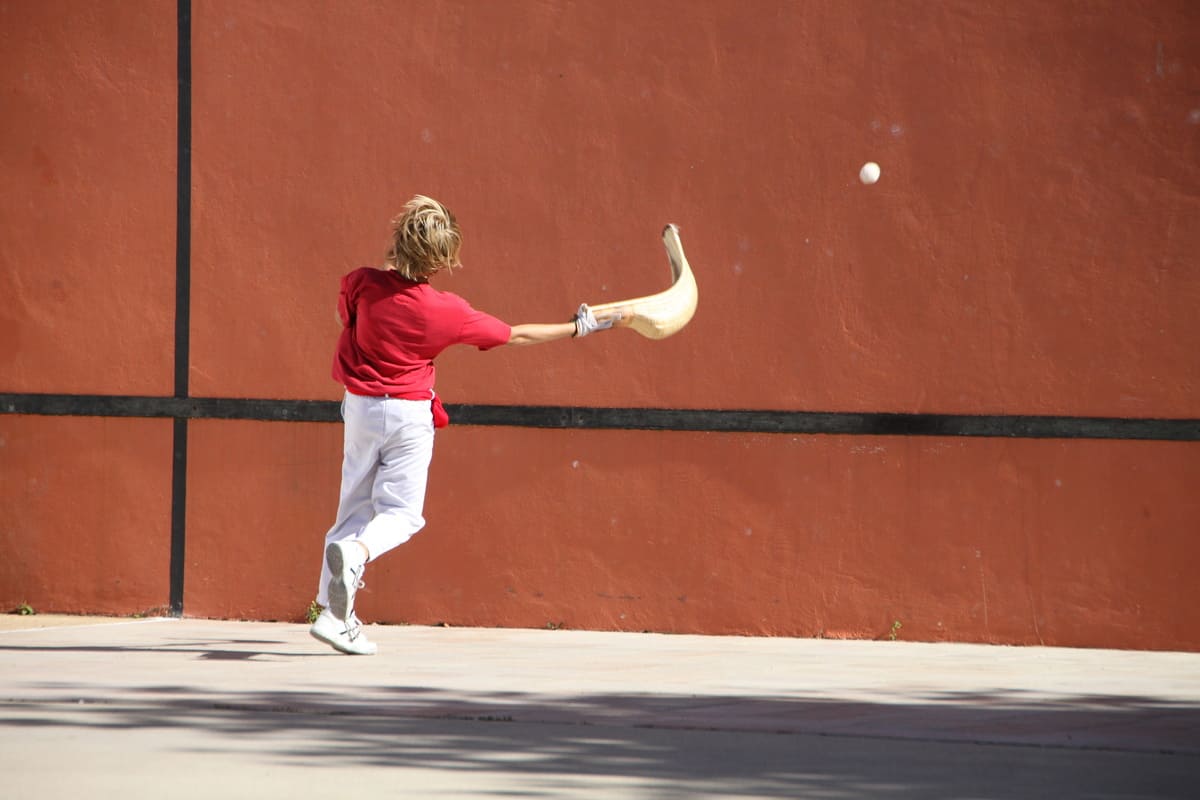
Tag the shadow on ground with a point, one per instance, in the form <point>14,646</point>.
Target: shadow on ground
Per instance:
<point>642,741</point>
<point>1000,744</point>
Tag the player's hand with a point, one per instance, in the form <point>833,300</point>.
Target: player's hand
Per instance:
<point>586,322</point>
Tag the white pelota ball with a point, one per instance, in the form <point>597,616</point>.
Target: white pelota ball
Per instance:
<point>869,172</point>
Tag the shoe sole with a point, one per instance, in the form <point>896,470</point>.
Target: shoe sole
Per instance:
<point>339,591</point>
<point>336,645</point>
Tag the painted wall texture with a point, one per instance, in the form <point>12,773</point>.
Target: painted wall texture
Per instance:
<point>1031,249</point>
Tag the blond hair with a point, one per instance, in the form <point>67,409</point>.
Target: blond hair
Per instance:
<point>425,239</point>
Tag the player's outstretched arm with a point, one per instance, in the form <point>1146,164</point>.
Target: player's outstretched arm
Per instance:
<point>585,322</point>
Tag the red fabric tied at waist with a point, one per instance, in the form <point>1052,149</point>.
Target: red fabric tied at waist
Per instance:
<point>440,418</point>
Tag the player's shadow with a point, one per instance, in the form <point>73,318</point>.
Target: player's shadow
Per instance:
<point>207,650</point>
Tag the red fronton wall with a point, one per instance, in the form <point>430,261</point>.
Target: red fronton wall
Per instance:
<point>1029,250</point>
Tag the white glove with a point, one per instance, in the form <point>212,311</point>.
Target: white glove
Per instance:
<point>585,322</point>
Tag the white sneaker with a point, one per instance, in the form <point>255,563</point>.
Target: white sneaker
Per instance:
<point>347,563</point>
<point>345,636</point>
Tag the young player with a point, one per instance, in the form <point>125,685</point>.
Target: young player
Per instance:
<point>394,325</point>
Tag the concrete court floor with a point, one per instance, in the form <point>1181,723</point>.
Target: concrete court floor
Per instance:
<point>169,708</point>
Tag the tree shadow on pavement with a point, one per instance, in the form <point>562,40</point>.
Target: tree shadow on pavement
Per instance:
<point>973,745</point>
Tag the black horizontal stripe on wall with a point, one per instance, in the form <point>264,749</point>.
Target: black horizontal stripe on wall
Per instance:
<point>652,419</point>
<point>96,405</point>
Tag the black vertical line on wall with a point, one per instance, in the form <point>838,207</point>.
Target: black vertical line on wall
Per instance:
<point>183,289</point>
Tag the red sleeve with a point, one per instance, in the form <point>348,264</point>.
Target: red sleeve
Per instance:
<point>346,297</point>
<point>483,330</point>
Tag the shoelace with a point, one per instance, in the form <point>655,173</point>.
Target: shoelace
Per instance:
<point>353,627</point>
<point>359,583</point>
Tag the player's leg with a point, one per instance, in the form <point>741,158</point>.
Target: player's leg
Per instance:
<point>398,493</point>
<point>363,436</point>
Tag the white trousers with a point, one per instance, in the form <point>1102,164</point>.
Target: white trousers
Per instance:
<point>387,448</point>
